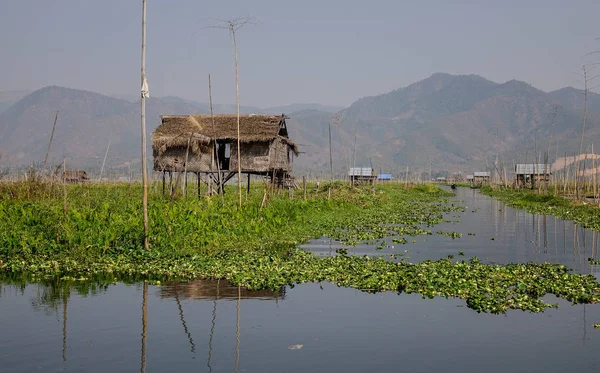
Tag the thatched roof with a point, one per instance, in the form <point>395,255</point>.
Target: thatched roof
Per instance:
<point>175,130</point>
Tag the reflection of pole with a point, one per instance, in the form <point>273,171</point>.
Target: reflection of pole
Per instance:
<point>545,229</point>
<point>144,325</point>
<point>185,329</point>
<point>237,332</point>
<point>64,350</point>
<point>212,328</point>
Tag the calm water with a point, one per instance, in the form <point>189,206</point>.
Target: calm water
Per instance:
<point>212,326</point>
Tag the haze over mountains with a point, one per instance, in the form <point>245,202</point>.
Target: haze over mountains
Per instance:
<point>449,122</point>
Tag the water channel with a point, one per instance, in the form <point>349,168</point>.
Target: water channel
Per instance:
<point>211,326</point>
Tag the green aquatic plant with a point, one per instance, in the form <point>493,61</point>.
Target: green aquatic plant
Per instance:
<point>255,246</point>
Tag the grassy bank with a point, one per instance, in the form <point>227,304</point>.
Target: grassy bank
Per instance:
<point>97,236</point>
<point>584,214</point>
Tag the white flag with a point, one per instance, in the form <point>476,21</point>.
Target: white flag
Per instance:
<point>145,89</point>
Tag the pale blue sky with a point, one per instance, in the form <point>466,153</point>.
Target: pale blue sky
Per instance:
<point>326,51</point>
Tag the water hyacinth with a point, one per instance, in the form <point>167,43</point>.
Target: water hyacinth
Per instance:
<point>99,237</point>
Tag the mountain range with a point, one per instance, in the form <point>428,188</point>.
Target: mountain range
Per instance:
<point>446,122</point>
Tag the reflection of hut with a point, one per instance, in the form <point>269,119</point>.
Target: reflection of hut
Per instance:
<point>208,144</point>
<point>527,173</point>
<point>212,289</point>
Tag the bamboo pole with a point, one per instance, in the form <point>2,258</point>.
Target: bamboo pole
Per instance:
<point>565,176</point>
<point>330,153</point>
<point>237,104</point>
<point>594,173</point>
<point>354,155</point>
<point>64,186</point>
<point>304,186</point>
<point>185,175</point>
<point>50,143</point>
<point>215,152</point>
<point>104,161</point>
<point>143,125</point>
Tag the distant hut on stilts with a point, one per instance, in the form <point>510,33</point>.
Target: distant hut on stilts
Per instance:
<point>193,143</point>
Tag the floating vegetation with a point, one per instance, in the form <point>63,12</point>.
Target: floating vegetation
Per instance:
<point>255,247</point>
<point>484,287</point>
<point>452,235</point>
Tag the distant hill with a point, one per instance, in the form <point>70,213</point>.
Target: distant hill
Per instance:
<point>7,98</point>
<point>449,122</point>
<point>574,98</point>
<point>300,107</point>
<point>462,122</point>
<point>87,122</point>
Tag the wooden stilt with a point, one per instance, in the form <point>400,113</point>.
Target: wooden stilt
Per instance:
<point>163,177</point>
<point>198,178</point>
<point>248,183</point>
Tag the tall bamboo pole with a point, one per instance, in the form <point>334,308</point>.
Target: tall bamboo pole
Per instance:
<point>330,153</point>
<point>237,104</point>
<point>215,152</point>
<point>143,124</point>
<point>354,155</point>
<point>50,142</point>
<point>104,161</point>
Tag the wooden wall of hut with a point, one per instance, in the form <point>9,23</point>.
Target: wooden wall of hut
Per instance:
<point>261,156</point>
<point>199,159</point>
<point>279,153</point>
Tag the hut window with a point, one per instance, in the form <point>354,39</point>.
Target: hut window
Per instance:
<point>227,150</point>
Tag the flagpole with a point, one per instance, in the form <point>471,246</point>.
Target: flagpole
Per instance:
<point>143,118</point>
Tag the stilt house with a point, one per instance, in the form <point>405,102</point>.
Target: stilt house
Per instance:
<point>527,173</point>
<point>481,178</point>
<point>208,144</point>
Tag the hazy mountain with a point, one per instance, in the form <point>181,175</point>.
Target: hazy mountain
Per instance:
<point>572,97</point>
<point>451,122</point>
<point>462,122</point>
<point>87,121</point>
<point>7,98</point>
<point>300,107</point>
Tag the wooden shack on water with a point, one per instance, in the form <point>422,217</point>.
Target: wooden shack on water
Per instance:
<point>531,173</point>
<point>480,178</point>
<point>208,144</point>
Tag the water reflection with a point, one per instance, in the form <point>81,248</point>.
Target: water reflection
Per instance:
<point>214,289</point>
<point>491,231</point>
<point>144,325</point>
<point>337,326</point>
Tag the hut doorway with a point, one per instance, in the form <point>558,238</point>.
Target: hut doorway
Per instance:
<point>224,154</point>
